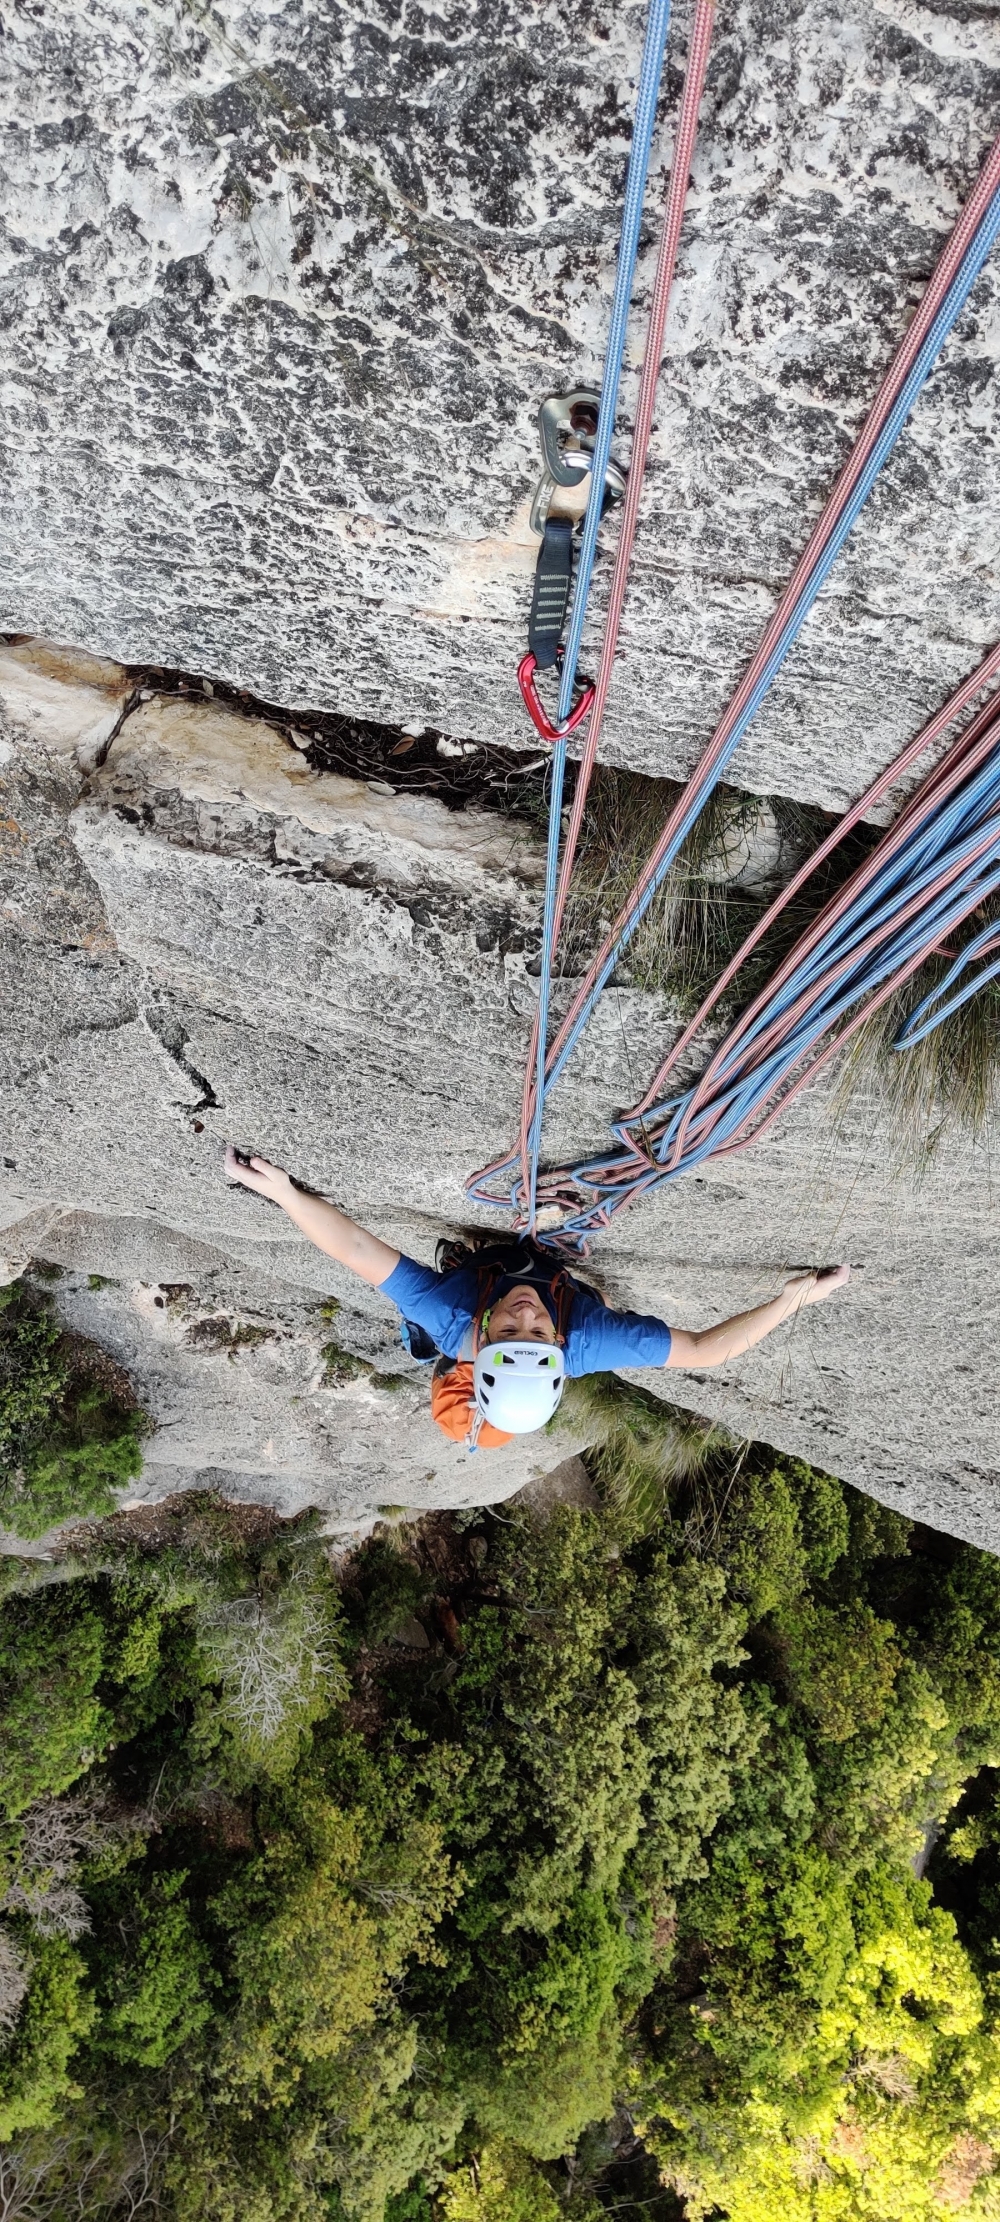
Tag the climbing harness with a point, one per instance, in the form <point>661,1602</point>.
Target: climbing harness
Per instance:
<point>935,866</point>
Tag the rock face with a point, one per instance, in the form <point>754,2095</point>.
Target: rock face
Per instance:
<point>285,285</point>
<point>204,938</point>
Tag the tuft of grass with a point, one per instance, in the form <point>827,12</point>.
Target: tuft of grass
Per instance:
<point>701,914</point>
<point>220,1333</point>
<point>642,1448</point>
<point>952,1079</point>
<point>245,1335</point>
<point>341,1366</point>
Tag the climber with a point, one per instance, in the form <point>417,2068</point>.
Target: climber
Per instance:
<point>508,1325</point>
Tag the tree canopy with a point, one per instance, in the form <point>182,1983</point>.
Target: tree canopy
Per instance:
<point>641,1860</point>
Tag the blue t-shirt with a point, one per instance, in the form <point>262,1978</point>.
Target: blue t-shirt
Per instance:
<point>597,1339</point>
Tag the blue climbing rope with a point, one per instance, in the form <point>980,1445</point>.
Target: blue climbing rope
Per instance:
<point>925,1018</point>
<point>650,73</point>
<point>950,310</point>
<point>902,909</point>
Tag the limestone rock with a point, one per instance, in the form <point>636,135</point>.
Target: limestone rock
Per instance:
<point>177,965</point>
<point>69,701</point>
<point>284,287</point>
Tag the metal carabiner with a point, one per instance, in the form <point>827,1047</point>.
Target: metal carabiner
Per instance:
<point>536,709</point>
<point>569,416</point>
<point>561,414</point>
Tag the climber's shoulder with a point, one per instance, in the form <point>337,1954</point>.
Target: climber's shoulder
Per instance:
<point>599,1338</point>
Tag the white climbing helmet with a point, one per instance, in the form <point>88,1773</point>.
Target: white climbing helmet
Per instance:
<point>518,1384</point>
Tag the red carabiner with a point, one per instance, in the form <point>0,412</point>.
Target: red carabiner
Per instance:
<point>536,708</point>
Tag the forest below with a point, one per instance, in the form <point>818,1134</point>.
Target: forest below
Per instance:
<point>640,1859</point>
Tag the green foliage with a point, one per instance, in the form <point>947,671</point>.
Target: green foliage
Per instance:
<point>318,1936</point>
<point>411,2205</point>
<point>35,2062</point>
<point>376,1934</point>
<point>641,1446</point>
<point>155,1980</point>
<point>841,1665</point>
<point>33,1374</point>
<point>67,1440</point>
<point>51,1658</point>
<point>500,2185</point>
<point>393,1589</point>
<point>763,1547</point>
<point>834,2042</point>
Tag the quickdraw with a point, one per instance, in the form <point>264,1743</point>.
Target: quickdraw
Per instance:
<point>567,425</point>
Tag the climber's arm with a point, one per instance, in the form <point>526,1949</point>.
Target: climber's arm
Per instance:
<point>331,1230</point>
<point>714,1346</point>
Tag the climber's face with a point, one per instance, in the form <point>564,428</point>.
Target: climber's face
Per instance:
<point>521,1316</point>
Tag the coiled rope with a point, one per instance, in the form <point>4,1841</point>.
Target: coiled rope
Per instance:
<point>947,292</point>
<point>939,861</point>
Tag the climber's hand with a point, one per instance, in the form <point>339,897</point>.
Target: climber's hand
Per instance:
<point>816,1287</point>
<point>259,1174</point>
<point>331,1230</point>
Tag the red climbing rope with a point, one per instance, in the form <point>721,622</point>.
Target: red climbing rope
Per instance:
<point>677,192</point>
<point>946,292</point>
<point>968,751</point>
<point>972,217</point>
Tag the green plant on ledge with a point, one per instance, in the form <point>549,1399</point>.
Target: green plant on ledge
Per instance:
<point>70,1434</point>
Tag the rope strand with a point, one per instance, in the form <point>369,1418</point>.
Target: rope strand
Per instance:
<point>802,1001</point>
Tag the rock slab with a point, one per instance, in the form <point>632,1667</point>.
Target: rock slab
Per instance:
<point>203,939</point>
<point>283,288</point>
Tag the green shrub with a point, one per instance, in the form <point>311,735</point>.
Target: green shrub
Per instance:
<point>500,2185</point>
<point>155,1982</point>
<point>67,1439</point>
<point>411,2205</point>
<point>52,1648</point>
<point>35,2078</point>
<point>841,1666</point>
